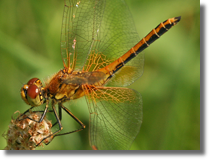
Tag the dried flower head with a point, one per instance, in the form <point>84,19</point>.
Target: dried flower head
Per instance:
<point>26,134</point>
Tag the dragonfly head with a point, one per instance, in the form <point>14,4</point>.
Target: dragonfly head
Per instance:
<point>31,92</point>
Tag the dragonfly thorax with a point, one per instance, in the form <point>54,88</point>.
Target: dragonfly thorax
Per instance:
<point>67,86</point>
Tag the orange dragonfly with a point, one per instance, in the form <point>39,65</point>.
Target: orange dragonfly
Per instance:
<point>101,53</point>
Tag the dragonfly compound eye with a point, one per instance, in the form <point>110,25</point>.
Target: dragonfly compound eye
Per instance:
<point>32,81</point>
<point>31,92</point>
<point>34,96</point>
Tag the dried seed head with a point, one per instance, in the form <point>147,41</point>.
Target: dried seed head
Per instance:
<point>25,134</point>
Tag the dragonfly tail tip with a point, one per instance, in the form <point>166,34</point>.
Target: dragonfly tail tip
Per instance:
<point>177,18</point>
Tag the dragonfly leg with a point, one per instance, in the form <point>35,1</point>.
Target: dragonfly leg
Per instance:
<point>74,117</point>
<point>18,119</point>
<point>42,117</point>
<point>60,116</point>
<point>59,124</point>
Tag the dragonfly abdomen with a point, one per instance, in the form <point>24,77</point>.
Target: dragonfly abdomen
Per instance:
<point>150,38</point>
<point>163,27</point>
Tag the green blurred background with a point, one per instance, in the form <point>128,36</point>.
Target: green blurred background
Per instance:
<point>170,85</point>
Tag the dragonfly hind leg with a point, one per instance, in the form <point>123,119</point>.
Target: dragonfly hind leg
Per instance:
<point>58,121</point>
<point>58,117</point>
<point>74,117</point>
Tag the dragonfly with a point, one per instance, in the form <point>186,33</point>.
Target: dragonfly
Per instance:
<point>102,54</point>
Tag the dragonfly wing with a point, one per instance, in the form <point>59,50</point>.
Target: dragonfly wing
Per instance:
<point>81,20</point>
<point>116,35</point>
<point>115,117</point>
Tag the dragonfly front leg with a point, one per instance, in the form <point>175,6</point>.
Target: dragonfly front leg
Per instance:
<point>29,110</point>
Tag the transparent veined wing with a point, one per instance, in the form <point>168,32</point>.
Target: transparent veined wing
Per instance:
<point>116,35</point>
<point>115,117</point>
<point>80,25</point>
<point>97,32</point>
